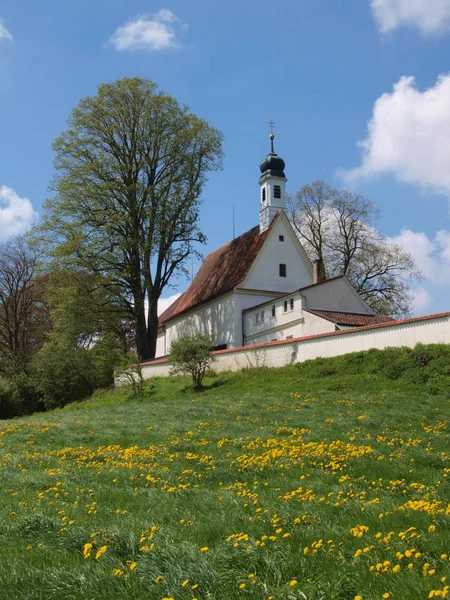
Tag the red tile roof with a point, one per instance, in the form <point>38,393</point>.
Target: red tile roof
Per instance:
<point>221,271</point>
<point>354,319</point>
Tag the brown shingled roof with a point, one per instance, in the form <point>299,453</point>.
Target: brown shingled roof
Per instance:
<point>221,271</point>
<point>354,319</point>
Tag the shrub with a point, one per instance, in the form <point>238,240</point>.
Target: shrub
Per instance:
<point>129,372</point>
<point>191,355</point>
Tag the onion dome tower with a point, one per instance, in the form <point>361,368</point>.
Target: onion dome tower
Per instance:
<point>272,182</point>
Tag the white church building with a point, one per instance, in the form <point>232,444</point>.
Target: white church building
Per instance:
<point>261,286</point>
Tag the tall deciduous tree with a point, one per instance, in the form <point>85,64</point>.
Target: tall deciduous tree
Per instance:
<point>129,172</point>
<point>336,227</point>
<point>23,312</point>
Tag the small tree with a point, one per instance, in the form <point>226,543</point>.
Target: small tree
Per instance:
<point>129,372</point>
<point>191,355</point>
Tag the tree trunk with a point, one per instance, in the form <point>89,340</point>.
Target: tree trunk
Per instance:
<point>152,326</point>
<point>141,329</point>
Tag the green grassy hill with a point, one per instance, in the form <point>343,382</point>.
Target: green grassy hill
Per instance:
<point>322,481</point>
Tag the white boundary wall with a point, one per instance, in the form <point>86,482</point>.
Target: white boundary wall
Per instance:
<point>433,329</point>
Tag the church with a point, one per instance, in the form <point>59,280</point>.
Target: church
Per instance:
<point>262,286</point>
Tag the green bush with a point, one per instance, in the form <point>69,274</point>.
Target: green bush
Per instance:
<point>18,395</point>
<point>191,355</point>
<point>66,374</point>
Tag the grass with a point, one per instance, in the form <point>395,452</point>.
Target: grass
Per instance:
<point>322,481</point>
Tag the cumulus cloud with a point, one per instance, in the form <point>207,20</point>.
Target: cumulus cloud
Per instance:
<point>4,33</point>
<point>166,302</point>
<point>148,32</point>
<point>408,136</point>
<point>432,256</point>
<point>429,16</point>
<point>16,213</point>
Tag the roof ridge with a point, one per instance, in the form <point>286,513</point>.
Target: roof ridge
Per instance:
<point>345,312</point>
<point>321,282</point>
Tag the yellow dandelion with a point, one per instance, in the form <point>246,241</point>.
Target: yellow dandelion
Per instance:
<point>242,586</point>
<point>87,550</point>
<point>386,595</point>
<point>100,551</point>
<point>293,582</point>
<point>159,579</point>
<point>204,549</point>
<point>185,582</point>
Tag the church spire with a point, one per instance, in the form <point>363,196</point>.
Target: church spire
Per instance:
<point>272,182</point>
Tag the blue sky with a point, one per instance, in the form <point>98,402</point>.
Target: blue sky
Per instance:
<point>330,73</point>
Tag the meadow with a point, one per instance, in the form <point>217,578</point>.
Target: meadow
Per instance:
<point>323,481</point>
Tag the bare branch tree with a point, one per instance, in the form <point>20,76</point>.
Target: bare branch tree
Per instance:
<point>23,312</point>
<point>336,226</point>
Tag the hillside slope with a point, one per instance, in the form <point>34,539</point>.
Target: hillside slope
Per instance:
<point>327,480</point>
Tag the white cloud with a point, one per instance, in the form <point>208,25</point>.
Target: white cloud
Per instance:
<point>408,136</point>
<point>429,16</point>
<point>4,33</point>
<point>433,258</point>
<point>16,213</point>
<point>166,302</point>
<point>422,299</point>
<point>147,32</point>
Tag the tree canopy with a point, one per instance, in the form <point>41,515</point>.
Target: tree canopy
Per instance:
<point>337,228</point>
<point>129,173</point>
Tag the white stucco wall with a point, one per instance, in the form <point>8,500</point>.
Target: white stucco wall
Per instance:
<point>429,330</point>
<point>314,325</point>
<point>221,317</point>
<point>337,295</point>
<point>264,273</point>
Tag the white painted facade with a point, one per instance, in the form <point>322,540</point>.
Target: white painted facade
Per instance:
<point>434,329</point>
<point>264,274</point>
<point>273,199</point>
<point>337,295</point>
<point>284,317</point>
<point>222,317</point>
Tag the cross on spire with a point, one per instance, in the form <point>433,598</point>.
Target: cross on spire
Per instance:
<point>272,135</point>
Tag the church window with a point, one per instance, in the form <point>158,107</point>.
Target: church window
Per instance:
<point>276,191</point>
<point>262,316</point>
<point>264,194</point>
<point>273,310</point>
<point>281,238</point>
<point>291,303</point>
<point>289,337</point>
<point>257,318</point>
<point>220,347</point>
<point>285,306</point>
<point>282,270</point>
